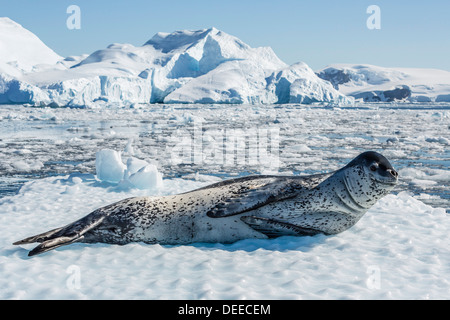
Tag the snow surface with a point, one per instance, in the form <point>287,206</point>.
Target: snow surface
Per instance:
<point>374,83</point>
<point>398,250</point>
<point>203,66</point>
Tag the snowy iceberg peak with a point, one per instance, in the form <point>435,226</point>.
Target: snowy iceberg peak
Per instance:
<point>178,40</point>
<point>116,55</point>
<point>199,55</point>
<point>179,54</point>
<point>21,50</point>
<point>184,40</point>
<point>203,50</point>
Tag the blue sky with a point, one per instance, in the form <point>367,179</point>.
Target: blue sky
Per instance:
<point>413,33</point>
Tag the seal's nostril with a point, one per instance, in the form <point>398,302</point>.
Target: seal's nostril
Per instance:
<point>393,173</point>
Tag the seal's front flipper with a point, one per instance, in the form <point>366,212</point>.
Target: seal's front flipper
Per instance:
<point>274,228</point>
<point>250,194</point>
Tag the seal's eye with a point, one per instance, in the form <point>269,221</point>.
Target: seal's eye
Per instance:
<point>373,167</point>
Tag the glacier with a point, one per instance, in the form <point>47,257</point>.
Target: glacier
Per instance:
<point>202,66</point>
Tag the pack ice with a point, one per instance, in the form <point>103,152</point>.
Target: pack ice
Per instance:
<point>203,66</point>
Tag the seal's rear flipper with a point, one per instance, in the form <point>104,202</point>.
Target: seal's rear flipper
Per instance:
<point>274,228</point>
<point>38,238</point>
<point>53,243</point>
<point>62,236</point>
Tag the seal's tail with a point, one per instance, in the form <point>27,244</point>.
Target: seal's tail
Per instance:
<point>62,236</point>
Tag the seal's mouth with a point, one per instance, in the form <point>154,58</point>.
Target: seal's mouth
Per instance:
<point>385,176</point>
<point>391,183</point>
<point>388,181</point>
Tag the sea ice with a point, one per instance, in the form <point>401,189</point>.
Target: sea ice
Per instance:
<point>398,250</point>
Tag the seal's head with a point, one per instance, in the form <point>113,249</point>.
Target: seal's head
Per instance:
<point>368,178</point>
<point>377,167</point>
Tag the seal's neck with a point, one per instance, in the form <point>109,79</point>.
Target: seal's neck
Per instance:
<point>362,189</point>
<point>352,190</point>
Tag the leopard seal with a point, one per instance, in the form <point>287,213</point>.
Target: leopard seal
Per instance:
<point>265,206</point>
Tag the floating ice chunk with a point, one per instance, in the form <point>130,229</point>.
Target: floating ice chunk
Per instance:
<point>23,151</point>
<point>76,180</point>
<point>129,147</point>
<point>147,177</point>
<point>71,189</point>
<point>425,178</point>
<point>28,165</point>
<point>301,148</point>
<point>443,98</point>
<point>134,165</point>
<point>136,173</point>
<point>440,140</point>
<point>21,165</point>
<point>202,177</point>
<point>109,166</point>
<point>424,184</point>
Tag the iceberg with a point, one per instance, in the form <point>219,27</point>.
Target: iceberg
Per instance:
<point>370,83</point>
<point>148,177</point>
<point>201,66</point>
<point>298,84</point>
<point>109,166</point>
<point>136,173</point>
